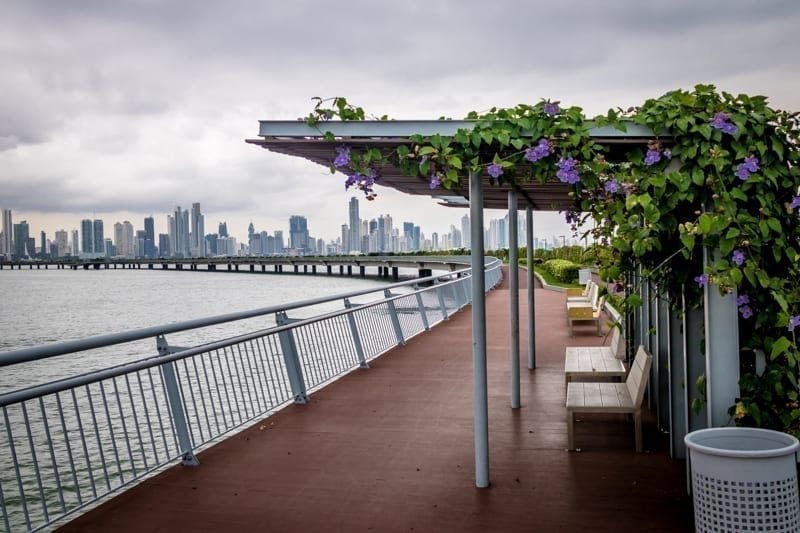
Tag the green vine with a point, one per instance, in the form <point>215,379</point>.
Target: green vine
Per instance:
<point>719,185</point>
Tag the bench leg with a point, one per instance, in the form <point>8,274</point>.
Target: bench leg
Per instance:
<point>570,430</point>
<point>637,424</point>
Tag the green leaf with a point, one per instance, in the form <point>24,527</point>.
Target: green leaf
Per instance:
<point>427,150</point>
<point>518,143</point>
<point>705,222</point>
<point>779,347</point>
<point>455,162</point>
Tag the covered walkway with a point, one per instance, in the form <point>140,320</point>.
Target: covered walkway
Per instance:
<point>391,449</point>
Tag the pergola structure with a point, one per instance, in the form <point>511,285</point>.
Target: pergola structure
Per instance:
<point>673,338</point>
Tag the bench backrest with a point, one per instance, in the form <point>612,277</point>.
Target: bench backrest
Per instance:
<point>618,351</point>
<point>639,374</point>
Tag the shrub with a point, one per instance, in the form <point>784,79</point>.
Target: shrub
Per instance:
<point>563,270</point>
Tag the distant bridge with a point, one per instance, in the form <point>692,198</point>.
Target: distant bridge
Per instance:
<point>386,266</point>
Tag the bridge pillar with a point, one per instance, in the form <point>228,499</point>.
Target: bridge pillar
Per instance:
<point>362,270</point>
<point>349,270</point>
<point>252,268</point>
<point>330,269</point>
<point>263,268</point>
<point>395,273</point>
<point>425,272</point>
<point>313,269</point>
<point>341,269</point>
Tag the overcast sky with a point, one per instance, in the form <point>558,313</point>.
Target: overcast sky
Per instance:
<point>119,109</point>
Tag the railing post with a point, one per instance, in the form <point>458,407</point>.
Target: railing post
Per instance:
<point>398,331</point>
<point>176,406</point>
<point>422,312</point>
<point>442,305</point>
<point>291,359</point>
<point>362,361</point>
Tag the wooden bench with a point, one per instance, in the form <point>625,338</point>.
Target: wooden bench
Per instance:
<point>585,312</point>
<point>595,363</point>
<point>582,295</point>
<point>606,397</point>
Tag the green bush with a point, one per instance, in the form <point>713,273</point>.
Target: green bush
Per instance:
<point>563,270</point>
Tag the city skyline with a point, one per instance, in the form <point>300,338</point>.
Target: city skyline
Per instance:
<point>180,238</point>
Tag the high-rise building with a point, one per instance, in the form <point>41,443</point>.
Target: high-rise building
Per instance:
<point>164,244</point>
<point>87,237</point>
<point>43,244</point>
<point>280,246</point>
<point>7,244</point>
<point>298,233</point>
<point>466,232</point>
<point>179,233</point>
<point>345,238</point>
<point>149,250</point>
<point>98,238</point>
<point>20,240</point>
<point>75,249</point>
<point>355,225</point>
<point>123,239</point>
<point>198,244</point>
<point>223,229</point>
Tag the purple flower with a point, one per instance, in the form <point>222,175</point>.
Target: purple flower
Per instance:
<point>750,163</point>
<point>746,311</point>
<point>795,202</point>
<point>720,122</point>
<point>343,157</point>
<point>742,300</point>
<point>738,257</point>
<point>652,157</point>
<point>794,321</point>
<point>742,173</point>
<point>551,108</point>
<point>542,149</point>
<point>612,186</point>
<point>435,181</point>
<point>495,170</point>
<point>566,171</point>
<point>702,279</point>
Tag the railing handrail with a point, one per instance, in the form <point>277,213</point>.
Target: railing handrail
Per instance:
<point>98,341</point>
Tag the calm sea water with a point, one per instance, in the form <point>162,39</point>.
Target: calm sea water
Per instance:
<point>46,306</point>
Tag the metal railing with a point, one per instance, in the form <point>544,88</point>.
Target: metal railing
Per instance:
<point>67,444</point>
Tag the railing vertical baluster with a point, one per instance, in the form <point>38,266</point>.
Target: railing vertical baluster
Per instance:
<point>398,331</point>
<point>243,387</point>
<point>111,432</point>
<point>135,418</point>
<point>211,392</point>
<point>53,460</point>
<point>256,374</point>
<point>97,436</point>
<point>442,305</point>
<point>22,497</point>
<point>229,381</point>
<point>89,469</point>
<point>196,412</point>
<point>35,461</point>
<point>223,389</point>
<point>158,403</point>
<point>122,418</point>
<point>202,396</point>
<point>69,448</point>
<point>422,313</point>
<point>3,508</point>
<point>291,360</point>
<point>147,419</point>
<point>178,414</point>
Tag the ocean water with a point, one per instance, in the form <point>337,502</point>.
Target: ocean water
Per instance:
<point>47,306</point>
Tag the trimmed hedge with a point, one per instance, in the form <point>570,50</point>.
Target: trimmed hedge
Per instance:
<point>563,270</point>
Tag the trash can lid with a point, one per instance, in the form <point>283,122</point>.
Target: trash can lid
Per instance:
<point>741,442</point>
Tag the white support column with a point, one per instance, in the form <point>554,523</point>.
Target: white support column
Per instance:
<point>479,380</point>
<point>722,352</point>
<point>513,287</point>
<point>531,299</point>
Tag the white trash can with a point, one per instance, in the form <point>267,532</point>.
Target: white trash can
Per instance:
<point>744,479</point>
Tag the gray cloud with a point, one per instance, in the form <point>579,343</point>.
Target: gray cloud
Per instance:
<point>136,106</point>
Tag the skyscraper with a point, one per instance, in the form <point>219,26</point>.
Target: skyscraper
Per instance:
<point>298,233</point>
<point>75,248</point>
<point>198,244</point>
<point>149,238</point>
<point>466,232</point>
<point>355,226</point>
<point>99,241</point>
<point>20,239</point>
<point>179,234</point>
<point>223,229</point>
<point>7,245</point>
<point>87,238</point>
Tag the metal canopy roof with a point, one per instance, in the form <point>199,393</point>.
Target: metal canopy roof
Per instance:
<point>296,138</point>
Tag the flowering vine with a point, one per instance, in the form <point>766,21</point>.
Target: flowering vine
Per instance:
<point>724,183</point>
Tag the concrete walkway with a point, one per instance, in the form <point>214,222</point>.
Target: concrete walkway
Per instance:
<point>390,449</point>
